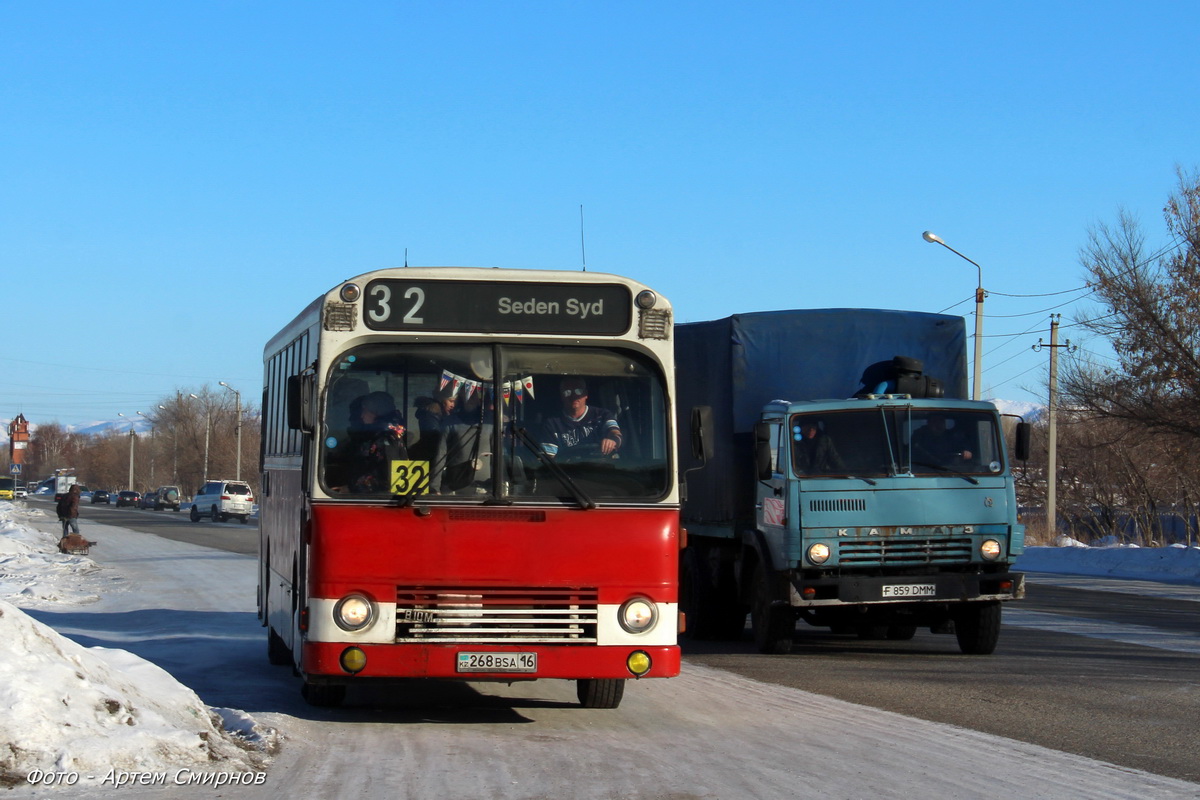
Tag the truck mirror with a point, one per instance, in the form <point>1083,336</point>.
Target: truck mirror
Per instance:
<point>300,412</point>
<point>1023,433</point>
<point>702,433</point>
<point>762,450</point>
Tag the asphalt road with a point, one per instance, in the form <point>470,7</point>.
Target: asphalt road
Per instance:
<point>1127,704</point>
<point>232,536</point>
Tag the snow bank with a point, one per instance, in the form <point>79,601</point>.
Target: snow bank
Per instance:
<point>94,712</point>
<point>32,571</point>
<point>72,709</point>
<point>1173,564</point>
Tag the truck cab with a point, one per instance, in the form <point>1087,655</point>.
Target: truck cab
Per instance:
<point>881,515</point>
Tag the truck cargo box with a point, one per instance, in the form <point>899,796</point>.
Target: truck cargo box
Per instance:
<point>739,364</point>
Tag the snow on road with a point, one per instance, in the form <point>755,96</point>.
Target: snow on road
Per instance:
<point>706,734</point>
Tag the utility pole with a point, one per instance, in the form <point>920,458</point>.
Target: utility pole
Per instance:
<point>1052,425</point>
<point>132,439</point>
<point>238,412</point>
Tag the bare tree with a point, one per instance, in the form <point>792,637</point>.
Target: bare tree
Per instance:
<point>1151,317</point>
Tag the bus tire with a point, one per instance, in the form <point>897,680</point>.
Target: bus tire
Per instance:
<point>774,626</point>
<point>277,652</point>
<point>977,628</point>
<point>600,692</point>
<point>323,695</point>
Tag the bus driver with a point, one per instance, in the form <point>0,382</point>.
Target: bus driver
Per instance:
<point>580,430</point>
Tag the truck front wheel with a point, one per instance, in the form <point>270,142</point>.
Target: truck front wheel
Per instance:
<point>774,626</point>
<point>977,628</point>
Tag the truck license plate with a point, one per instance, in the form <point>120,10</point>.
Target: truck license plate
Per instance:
<point>910,590</point>
<point>497,662</point>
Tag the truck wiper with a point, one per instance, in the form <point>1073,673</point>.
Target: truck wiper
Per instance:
<point>580,496</point>
<point>941,468</point>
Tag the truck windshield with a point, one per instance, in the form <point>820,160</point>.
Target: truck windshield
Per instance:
<point>500,423</point>
<point>874,442</point>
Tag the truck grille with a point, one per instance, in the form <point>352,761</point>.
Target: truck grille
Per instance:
<point>902,552</point>
<point>838,504</point>
<point>492,615</point>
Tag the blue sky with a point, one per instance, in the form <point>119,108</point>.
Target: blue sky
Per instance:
<point>179,179</point>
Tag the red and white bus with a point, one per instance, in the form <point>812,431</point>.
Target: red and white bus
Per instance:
<point>434,502</point>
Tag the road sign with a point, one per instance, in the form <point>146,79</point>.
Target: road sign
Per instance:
<point>14,469</point>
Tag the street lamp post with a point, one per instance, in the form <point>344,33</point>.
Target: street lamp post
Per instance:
<point>207,425</point>
<point>153,447</point>
<point>238,404</point>
<point>976,387</point>
<point>132,436</point>
<point>174,451</point>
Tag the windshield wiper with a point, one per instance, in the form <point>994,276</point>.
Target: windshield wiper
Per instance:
<point>580,496</point>
<point>941,468</point>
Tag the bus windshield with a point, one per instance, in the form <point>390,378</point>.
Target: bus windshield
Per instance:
<point>887,441</point>
<point>495,423</point>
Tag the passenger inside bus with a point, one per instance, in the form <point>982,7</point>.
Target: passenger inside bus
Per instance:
<point>372,443</point>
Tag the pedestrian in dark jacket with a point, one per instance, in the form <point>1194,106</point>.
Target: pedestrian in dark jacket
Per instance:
<point>68,510</point>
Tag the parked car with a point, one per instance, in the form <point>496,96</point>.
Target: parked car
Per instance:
<point>20,491</point>
<point>148,500</point>
<point>221,500</point>
<point>166,497</point>
<point>128,498</point>
<point>102,496</point>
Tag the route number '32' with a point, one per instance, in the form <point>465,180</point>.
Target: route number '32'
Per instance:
<point>410,477</point>
<point>380,309</point>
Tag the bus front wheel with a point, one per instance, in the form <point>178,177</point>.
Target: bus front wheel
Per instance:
<point>600,692</point>
<point>323,695</point>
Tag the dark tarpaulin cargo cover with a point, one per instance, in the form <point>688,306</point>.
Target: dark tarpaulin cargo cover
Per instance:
<point>739,364</point>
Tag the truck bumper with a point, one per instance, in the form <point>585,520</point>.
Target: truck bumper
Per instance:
<point>858,590</point>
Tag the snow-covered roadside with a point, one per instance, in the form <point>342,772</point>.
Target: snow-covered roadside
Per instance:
<point>1175,563</point>
<point>75,715</point>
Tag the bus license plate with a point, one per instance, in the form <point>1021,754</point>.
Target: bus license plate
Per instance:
<point>497,662</point>
<point>910,590</point>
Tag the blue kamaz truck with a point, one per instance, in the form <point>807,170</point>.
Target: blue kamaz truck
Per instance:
<point>836,474</point>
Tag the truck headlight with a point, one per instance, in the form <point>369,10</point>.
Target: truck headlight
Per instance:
<point>990,550</point>
<point>354,612</point>
<point>818,553</point>
<point>637,615</point>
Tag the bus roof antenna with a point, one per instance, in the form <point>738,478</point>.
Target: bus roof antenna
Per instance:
<point>582,249</point>
<point>406,258</point>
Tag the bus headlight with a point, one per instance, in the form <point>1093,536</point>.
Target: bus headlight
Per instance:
<point>350,293</point>
<point>990,550</point>
<point>637,615</point>
<point>354,612</point>
<point>646,299</point>
<point>818,553</point>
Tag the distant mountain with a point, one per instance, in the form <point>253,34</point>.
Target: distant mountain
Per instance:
<point>141,426</point>
<point>1030,412</point>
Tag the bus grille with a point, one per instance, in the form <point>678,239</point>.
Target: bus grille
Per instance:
<point>654,323</point>
<point>893,552</point>
<point>340,316</point>
<point>494,615</point>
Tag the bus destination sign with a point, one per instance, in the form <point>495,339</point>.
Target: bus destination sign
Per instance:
<point>497,307</point>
